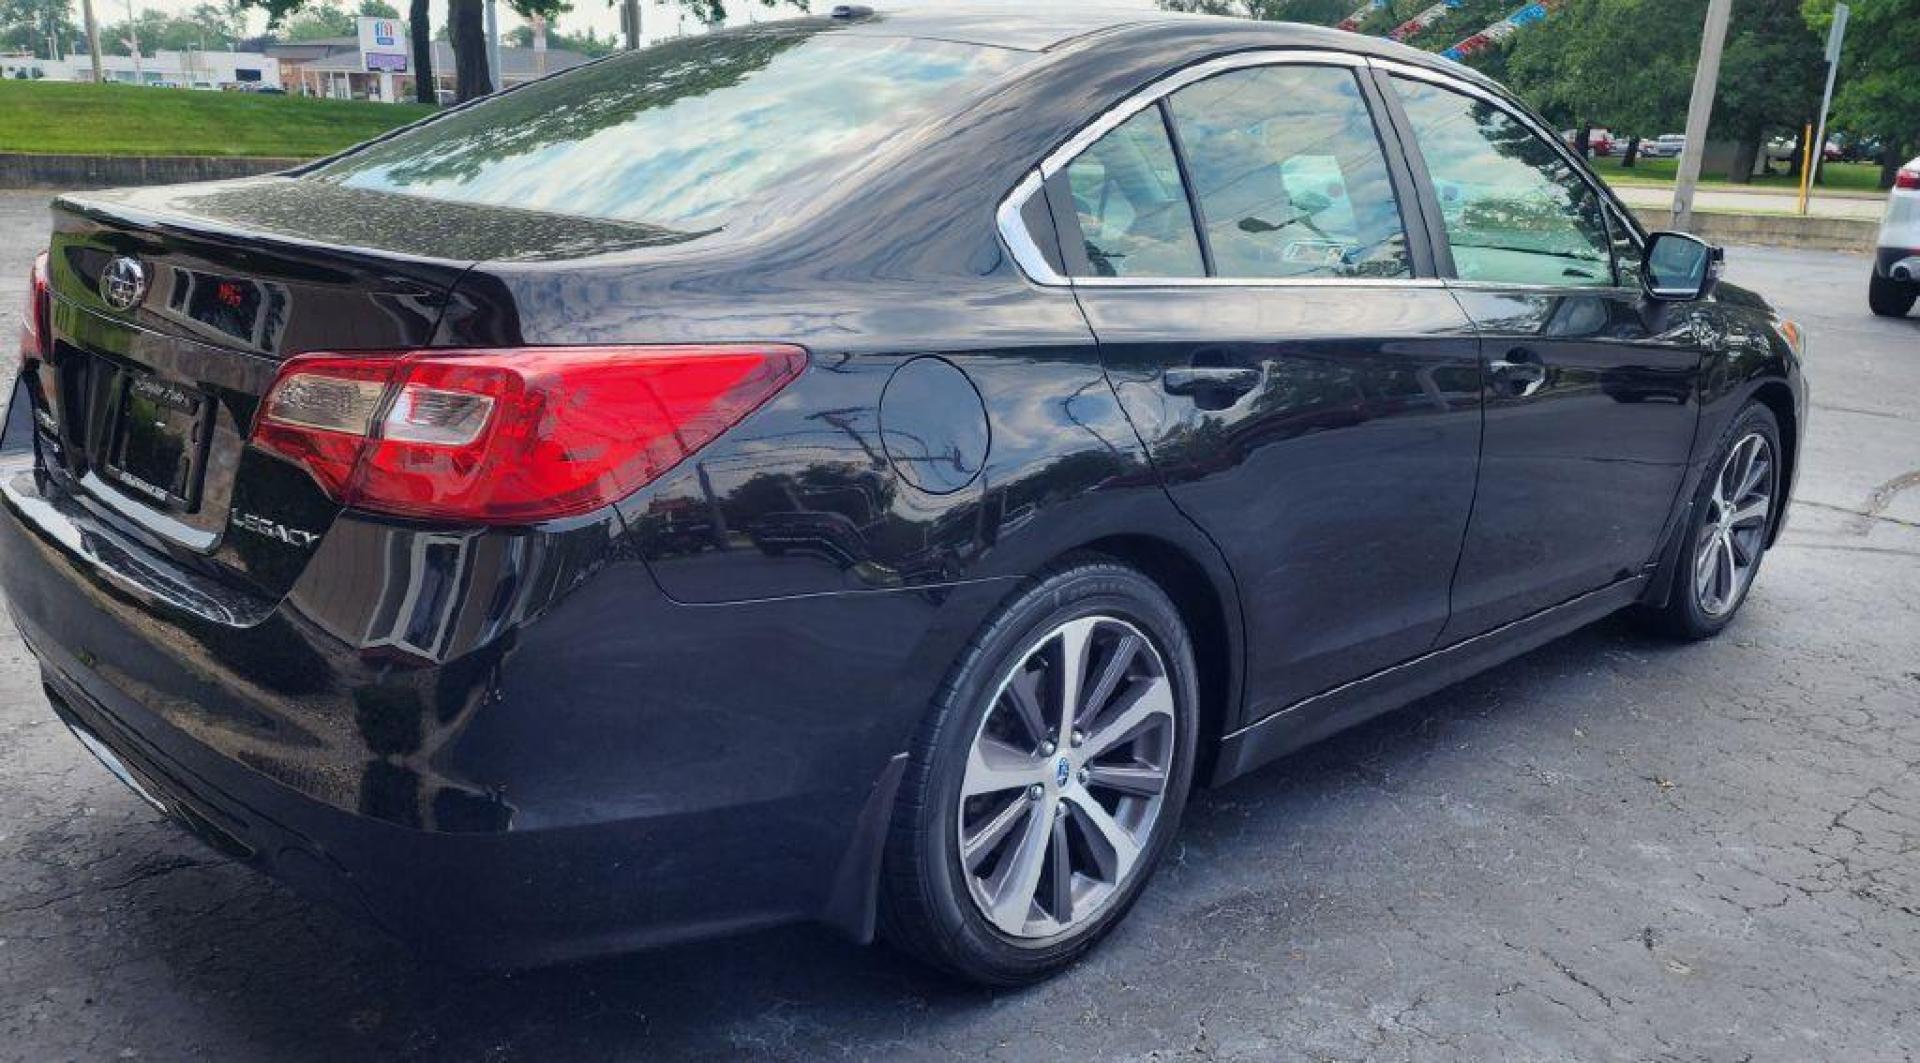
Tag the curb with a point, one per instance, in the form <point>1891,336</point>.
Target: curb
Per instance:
<point>1772,230</point>
<point>62,173</point>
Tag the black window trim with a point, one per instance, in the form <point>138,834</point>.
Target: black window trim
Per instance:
<point>1035,267</point>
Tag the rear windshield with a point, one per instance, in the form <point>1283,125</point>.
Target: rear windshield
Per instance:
<point>684,134</point>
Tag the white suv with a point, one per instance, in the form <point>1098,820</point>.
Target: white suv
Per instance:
<point>1896,262</point>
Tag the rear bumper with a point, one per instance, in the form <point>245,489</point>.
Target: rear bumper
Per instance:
<point>597,770</point>
<point>1885,260</point>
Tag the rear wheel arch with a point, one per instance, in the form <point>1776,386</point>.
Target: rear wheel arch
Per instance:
<point>1211,616</point>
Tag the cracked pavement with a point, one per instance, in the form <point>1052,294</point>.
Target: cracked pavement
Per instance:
<point>1612,848</point>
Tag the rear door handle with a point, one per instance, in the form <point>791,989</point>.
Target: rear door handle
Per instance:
<point>1520,373</point>
<point>1210,381</point>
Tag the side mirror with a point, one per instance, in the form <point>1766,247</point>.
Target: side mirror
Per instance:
<point>1680,267</point>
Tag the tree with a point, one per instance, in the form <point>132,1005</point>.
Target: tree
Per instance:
<point>1571,70</point>
<point>1875,96</point>
<point>589,44</point>
<point>425,89</point>
<point>1770,78</point>
<point>27,25</point>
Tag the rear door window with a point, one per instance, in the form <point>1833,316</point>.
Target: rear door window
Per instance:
<point>1131,204</point>
<point>1289,175</point>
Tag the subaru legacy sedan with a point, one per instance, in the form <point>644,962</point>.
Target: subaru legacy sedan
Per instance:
<point>866,469</point>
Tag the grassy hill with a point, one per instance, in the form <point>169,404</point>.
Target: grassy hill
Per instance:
<point>87,119</point>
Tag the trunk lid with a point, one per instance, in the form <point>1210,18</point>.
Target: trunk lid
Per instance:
<point>173,309</point>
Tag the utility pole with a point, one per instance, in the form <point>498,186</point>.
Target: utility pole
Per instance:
<point>498,80</point>
<point>133,42</point>
<point>93,38</point>
<point>1706,81</point>
<point>630,23</point>
<point>1836,37</point>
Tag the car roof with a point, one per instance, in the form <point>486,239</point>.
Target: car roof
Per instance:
<point>1033,27</point>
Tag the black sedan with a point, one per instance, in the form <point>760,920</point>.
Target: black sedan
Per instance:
<point>865,469</point>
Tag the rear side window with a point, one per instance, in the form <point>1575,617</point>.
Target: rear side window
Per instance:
<point>1514,209</point>
<point>1289,175</point>
<point>1131,205</point>
<point>686,134</point>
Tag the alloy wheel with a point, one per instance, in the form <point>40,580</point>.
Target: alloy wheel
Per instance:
<point>1735,530</point>
<point>1066,777</point>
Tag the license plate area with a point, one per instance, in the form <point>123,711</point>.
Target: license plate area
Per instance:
<point>157,438</point>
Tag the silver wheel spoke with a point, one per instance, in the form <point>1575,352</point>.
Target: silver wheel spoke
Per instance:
<point>1023,693</point>
<point>995,766</point>
<point>1074,639</point>
<point>1113,847</point>
<point>1754,511</point>
<point>1117,664</point>
<point>1137,779</point>
<point>975,848</point>
<point>1725,571</point>
<point>1147,701</point>
<point>1019,872</point>
<point>1062,886</point>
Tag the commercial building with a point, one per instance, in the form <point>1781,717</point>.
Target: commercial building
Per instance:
<point>192,69</point>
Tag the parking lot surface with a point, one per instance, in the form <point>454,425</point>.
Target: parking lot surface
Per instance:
<point>1612,848</point>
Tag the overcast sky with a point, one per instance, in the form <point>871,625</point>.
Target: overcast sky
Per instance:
<point>659,18</point>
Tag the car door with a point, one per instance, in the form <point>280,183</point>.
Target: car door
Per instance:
<point>1308,390</point>
<point>1591,387</point>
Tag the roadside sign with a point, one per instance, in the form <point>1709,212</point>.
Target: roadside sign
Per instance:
<point>383,45</point>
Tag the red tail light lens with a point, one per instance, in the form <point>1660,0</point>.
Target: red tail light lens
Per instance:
<point>509,436</point>
<point>36,327</point>
<point>1906,179</point>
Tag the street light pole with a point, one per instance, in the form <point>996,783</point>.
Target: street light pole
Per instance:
<point>1706,80</point>
<point>1836,37</point>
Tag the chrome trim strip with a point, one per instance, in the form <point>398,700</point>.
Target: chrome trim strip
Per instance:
<point>1257,282</point>
<point>1026,253</point>
<point>142,513</point>
<point>1506,106</point>
<point>1179,79</point>
<point>1033,264</point>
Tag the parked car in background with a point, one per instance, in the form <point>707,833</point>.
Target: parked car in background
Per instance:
<point>868,469</point>
<point>1895,283</point>
<point>1599,141</point>
<point>1665,146</point>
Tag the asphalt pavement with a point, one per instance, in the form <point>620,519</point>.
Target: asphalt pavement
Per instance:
<point>1612,848</point>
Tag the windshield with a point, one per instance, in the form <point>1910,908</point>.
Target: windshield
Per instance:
<point>684,134</point>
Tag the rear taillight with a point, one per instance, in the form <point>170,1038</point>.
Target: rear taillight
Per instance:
<point>36,327</point>
<point>512,435</point>
<point>1906,179</point>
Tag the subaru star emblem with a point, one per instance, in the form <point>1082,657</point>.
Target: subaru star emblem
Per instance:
<point>123,282</point>
<point>1061,770</point>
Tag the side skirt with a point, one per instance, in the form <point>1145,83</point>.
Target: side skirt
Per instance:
<point>1317,717</point>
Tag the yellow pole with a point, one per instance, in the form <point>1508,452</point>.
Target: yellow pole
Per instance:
<point>1806,166</point>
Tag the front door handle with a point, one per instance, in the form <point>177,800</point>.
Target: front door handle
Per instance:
<point>1211,381</point>
<point>1519,374</point>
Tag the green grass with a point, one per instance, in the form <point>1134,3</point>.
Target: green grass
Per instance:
<point>86,119</point>
<point>1836,176</point>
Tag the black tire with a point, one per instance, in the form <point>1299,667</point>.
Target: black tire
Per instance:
<point>926,907</point>
<point>1891,298</point>
<point>1684,616</point>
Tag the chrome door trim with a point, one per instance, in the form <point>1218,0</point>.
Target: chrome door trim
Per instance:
<point>1507,106</point>
<point>1026,251</point>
